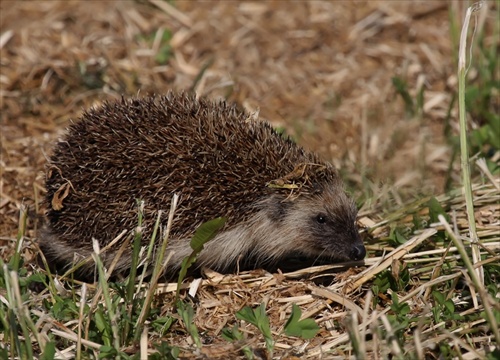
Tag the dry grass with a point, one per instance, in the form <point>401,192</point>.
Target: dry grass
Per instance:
<point>321,70</point>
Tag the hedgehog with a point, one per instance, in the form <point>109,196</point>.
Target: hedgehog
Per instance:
<point>282,204</point>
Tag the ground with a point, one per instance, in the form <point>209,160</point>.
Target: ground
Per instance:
<point>333,75</point>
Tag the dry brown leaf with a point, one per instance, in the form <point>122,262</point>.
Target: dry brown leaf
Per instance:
<point>59,196</point>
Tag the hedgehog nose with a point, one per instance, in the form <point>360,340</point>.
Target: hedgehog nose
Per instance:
<point>358,253</point>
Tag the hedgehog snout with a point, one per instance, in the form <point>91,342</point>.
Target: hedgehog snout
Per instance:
<point>358,252</point>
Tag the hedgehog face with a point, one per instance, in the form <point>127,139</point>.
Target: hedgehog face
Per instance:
<point>321,225</point>
<point>335,237</point>
<point>333,225</point>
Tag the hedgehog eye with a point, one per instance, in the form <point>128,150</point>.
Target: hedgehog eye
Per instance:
<point>321,218</point>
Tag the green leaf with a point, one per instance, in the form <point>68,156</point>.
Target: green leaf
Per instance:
<point>404,309</point>
<point>186,312</point>
<point>34,278</point>
<point>397,236</point>
<point>107,352</point>
<point>382,282</point>
<point>258,317</point>
<point>232,334</point>
<point>162,324</point>
<point>435,209</point>
<point>203,234</point>
<point>247,314</point>
<point>103,326</point>
<point>436,312</point>
<point>450,306</point>
<point>49,351</point>
<point>439,297</point>
<point>4,354</point>
<point>294,317</point>
<point>395,300</point>
<point>165,352</point>
<point>100,320</point>
<point>305,329</point>
<point>206,232</point>
<point>263,321</point>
